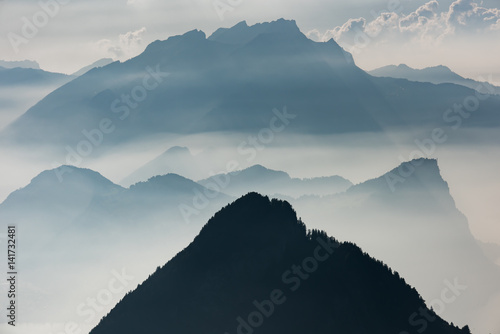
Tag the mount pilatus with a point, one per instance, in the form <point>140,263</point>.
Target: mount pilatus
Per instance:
<point>232,80</point>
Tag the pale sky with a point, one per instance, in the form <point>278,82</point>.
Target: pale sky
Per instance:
<point>70,34</point>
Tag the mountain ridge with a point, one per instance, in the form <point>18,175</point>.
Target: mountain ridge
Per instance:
<point>439,74</point>
<point>235,88</point>
<point>248,246</point>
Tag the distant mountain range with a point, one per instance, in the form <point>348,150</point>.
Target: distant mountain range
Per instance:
<point>231,81</point>
<point>255,267</point>
<point>436,75</point>
<point>390,217</point>
<point>176,160</point>
<point>22,63</point>
<point>23,84</point>
<point>270,182</point>
<point>21,88</point>
<point>408,217</point>
<point>31,77</point>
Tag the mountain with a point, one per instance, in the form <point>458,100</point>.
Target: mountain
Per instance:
<point>69,195</point>
<point>176,160</point>
<point>99,63</point>
<point>436,75</point>
<point>254,265</point>
<point>19,76</point>
<point>66,208</point>
<point>408,218</point>
<point>242,34</point>
<point>59,194</point>
<point>171,195</point>
<point>270,182</point>
<point>22,63</point>
<point>192,84</point>
<point>21,88</point>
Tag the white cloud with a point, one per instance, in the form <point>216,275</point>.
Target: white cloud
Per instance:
<point>425,25</point>
<point>465,14</point>
<point>126,46</point>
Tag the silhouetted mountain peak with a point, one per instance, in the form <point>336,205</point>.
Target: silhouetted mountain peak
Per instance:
<point>194,35</point>
<point>64,183</point>
<point>190,39</point>
<point>246,251</point>
<point>67,174</point>
<point>259,171</point>
<point>177,150</point>
<point>241,33</point>
<point>166,185</point>
<point>252,218</point>
<point>416,176</point>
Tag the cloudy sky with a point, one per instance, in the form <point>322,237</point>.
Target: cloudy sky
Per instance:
<point>65,35</point>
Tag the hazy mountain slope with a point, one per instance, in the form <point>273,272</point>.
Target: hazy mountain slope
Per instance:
<point>62,193</point>
<point>74,225</point>
<point>177,160</point>
<point>269,182</point>
<point>191,84</point>
<point>436,75</point>
<point>242,255</point>
<point>408,218</point>
<point>21,63</point>
<point>99,63</point>
<point>31,77</point>
<point>21,88</point>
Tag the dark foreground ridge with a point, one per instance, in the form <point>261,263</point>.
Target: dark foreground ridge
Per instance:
<point>255,268</point>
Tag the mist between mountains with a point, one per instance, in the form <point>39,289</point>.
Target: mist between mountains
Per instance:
<point>453,117</point>
<point>95,306</point>
<point>248,148</point>
<point>121,109</point>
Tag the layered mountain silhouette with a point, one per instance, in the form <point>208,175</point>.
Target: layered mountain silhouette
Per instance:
<point>270,182</point>
<point>62,209</point>
<point>232,81</point>
<point>255,268</point>
<point>59,194</point>
<point>21,88</point>
<point>20,63</point>
<point>176,160</point>
<point>405,217</point>
<point>408,218</point>
<point>31,77</point>
<point>68,194</point>
<point>436,75</point>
